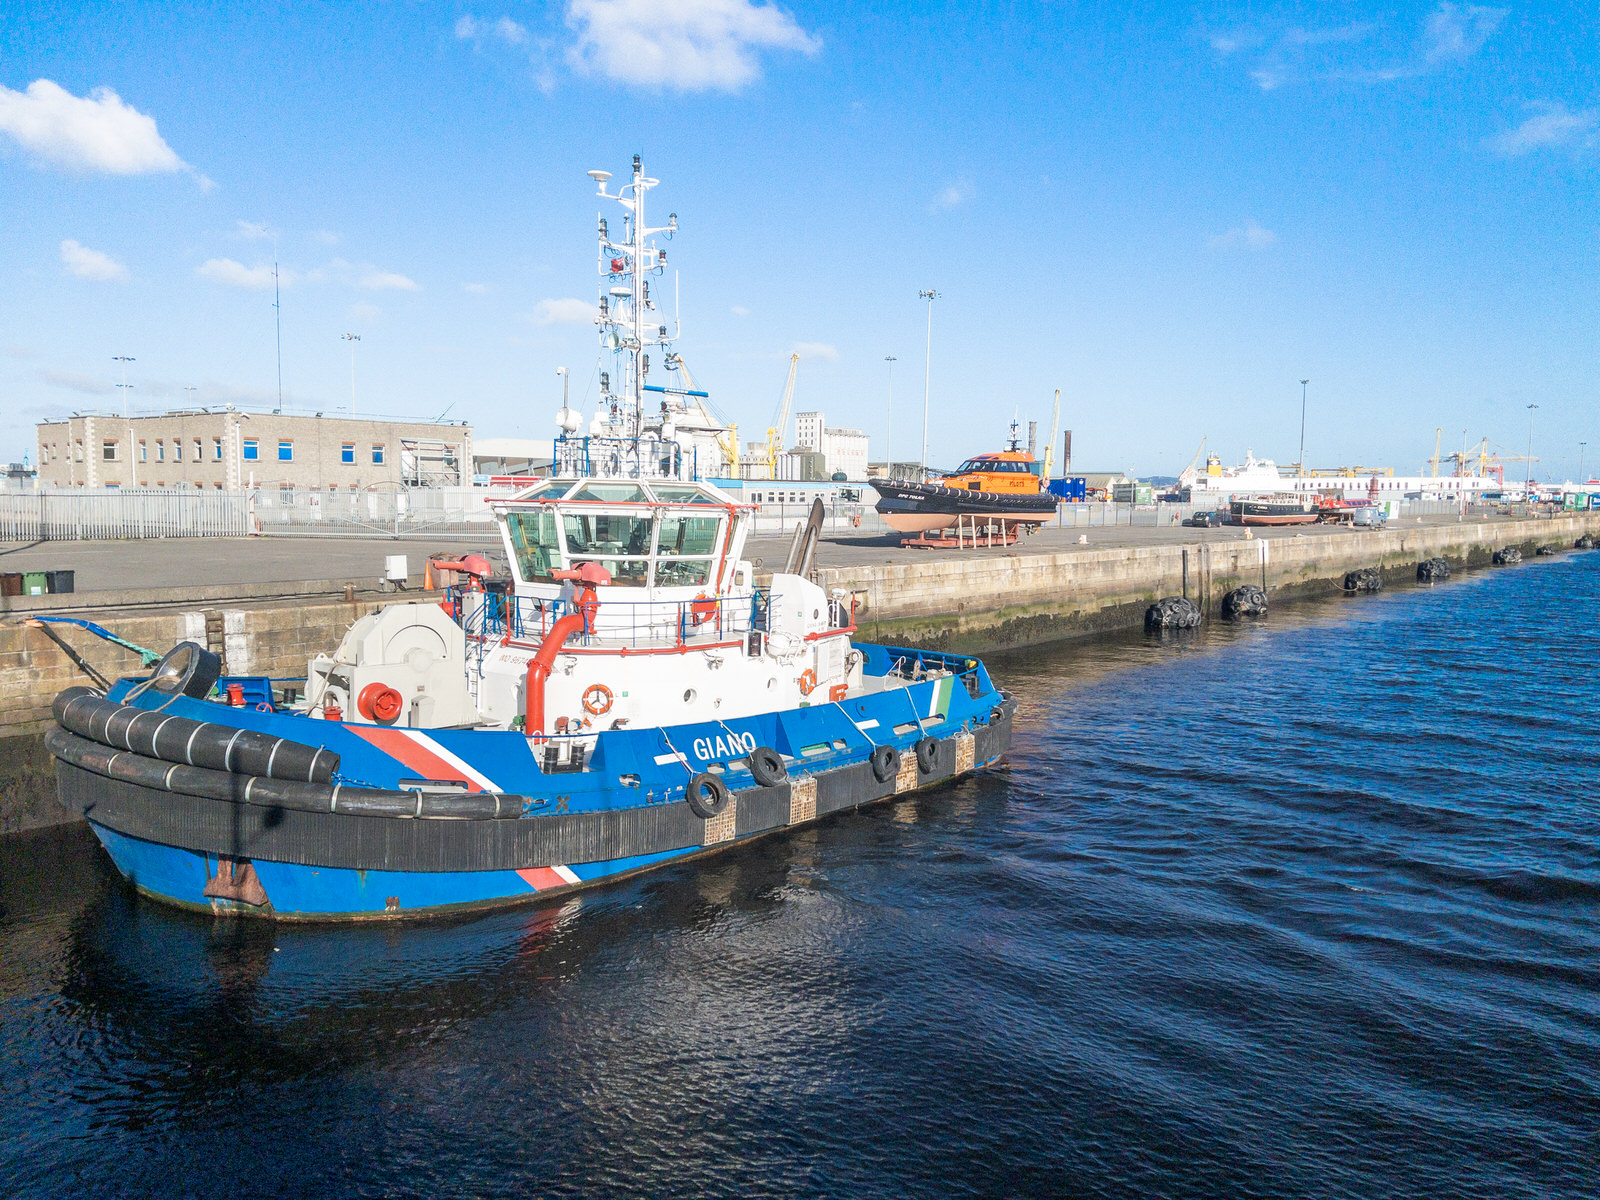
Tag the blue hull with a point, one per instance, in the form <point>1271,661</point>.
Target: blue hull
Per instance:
<point>626,811</point>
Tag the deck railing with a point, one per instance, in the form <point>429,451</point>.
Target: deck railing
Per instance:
<point>489,617</point>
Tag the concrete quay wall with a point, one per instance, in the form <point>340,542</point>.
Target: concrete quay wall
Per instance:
<point>987,602</point>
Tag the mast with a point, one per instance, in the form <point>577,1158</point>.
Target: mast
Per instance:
<point>627,311</point>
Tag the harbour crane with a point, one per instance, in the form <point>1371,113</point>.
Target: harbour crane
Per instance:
<point>1188,476</point>
<point>1050,446</point>
<point>780,420</point>
<point>1434,461</point>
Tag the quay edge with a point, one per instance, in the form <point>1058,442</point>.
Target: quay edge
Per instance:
<point>976,603</point>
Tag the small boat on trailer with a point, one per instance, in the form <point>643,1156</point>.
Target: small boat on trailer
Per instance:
<point>630,697</point>
<point>1281,509</point>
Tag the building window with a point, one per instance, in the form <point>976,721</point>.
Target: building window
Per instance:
<point>144,452</point>
<point>285,451</point>
<point>161,450</point>
<point>252,450</point>
<point>377,453</point>
<point>216,450</point>
<point>177,449</point>
<point>108,451</point>
<point>199,452</point>
<point>347,453</point>
<point>77,451</point>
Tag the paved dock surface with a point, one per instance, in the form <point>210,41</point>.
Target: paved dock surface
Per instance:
<point>182,562</point>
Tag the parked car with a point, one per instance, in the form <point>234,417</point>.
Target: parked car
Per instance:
<point>1198,519</point>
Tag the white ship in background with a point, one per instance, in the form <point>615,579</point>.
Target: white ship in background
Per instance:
<point>1262,477</point>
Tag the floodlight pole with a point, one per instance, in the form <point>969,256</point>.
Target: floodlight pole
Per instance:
<point>888,429</point>
<point>352,338</point>
<point>930,296</point>
<point>1302,464</point>
<point>1527,481</point>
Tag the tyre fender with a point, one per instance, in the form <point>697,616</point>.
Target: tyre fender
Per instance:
<point>707,795</point>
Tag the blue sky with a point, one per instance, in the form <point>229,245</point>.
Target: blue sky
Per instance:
<point>1171,213</point>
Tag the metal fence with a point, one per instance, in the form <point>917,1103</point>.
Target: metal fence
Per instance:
<point>90,514</point>
<point>392,513</point>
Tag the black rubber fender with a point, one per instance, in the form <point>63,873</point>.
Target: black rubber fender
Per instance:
<point>885,762</point>
<point>767,766</point>
<point>707,795</point>
<point>928,755</point>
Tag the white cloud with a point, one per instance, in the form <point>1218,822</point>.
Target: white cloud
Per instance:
<point>386,281</point>
<point>236,274</point>
<point>953,194</point>
<point>251,231</point>
<point>98,132</point>
<point>74,381</point>
<point>90,264</point>
<point>1552,127</point>
<point>477,289</point>
<point>690,45</point>
<point>563,312</point>
<point>817,350</point>
<point>1459,32</point>
<point>470,29</point>
<point>364,312</point>
<point>1248,236</point>
<point>739,310</point>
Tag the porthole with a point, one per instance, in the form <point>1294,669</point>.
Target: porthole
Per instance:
<point>689,695</point>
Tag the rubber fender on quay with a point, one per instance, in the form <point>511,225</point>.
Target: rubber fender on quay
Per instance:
<point>928,755</point>
<point>767,766</point>
<point>1432,570</point>
<point>707,795</point>
<point>1586,542</point>
<point>1247,600</point>
<point>1173,612</point>
<point>885,762</point>
<point>1366,579</point>
<point>1507,555</point>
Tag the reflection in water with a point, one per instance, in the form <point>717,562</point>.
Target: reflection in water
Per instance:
<point>1301,908</point>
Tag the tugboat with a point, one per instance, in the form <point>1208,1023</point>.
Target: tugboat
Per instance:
<point>1004,486</point>
<point>630,697</point>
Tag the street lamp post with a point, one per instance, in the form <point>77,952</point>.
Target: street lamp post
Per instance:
<point>1302,464</point>
<point>888,428</point>
<point>352,338</point>
<point>930,296</point>
<point>1527,479</point>
<point>1581,448</point>
<point>124,359</point>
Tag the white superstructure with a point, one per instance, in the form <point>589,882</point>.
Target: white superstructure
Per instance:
<point>1261,476</point>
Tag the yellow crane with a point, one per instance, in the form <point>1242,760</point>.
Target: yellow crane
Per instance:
<point>1050,445</point>
<point>780,420</point>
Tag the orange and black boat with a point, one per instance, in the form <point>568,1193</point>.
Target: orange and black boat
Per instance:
<point>1007,486</point>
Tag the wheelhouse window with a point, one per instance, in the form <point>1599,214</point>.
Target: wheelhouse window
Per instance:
<point>686,547</point>
<point>618,542</point>
<point>536,543</point>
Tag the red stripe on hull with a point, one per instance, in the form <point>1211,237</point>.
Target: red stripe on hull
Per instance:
<point>424,762</point>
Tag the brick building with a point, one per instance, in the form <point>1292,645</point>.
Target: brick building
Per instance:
<point>231,449</point>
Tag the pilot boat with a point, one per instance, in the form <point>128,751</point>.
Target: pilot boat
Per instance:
<point>1281,508</point>
<point>1006,486</point>
<point>632,696</point>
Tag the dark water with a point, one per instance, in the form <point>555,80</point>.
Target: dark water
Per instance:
<point>1307,909</point>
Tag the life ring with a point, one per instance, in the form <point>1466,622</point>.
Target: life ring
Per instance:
<point>597,699</point>
<point>808,681</point>
<point>702,609</point>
